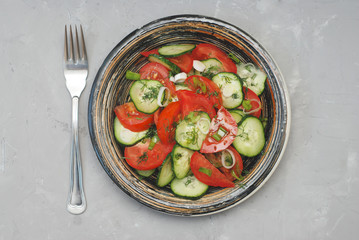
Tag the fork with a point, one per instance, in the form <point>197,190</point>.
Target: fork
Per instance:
<point>75,71</point>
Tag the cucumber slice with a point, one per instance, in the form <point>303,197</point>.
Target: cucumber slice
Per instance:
<point>160,59</point>
<point>145,173</point>
<point>237,114</point>
<point>188,187</point>
<point>191,131</point>
<point>175,50</point>
<point>165,174</point>
<point>213,67</point>
<point>125,136</point>
<point>144,94</point>
<point>252,77</point>
<point>181,158</point>
<point>250,138</point>
<point>231,89</point>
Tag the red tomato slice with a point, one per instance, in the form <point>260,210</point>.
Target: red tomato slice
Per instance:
<point>191,101</point>
<point>156,71</point>
<point>206,50</point>
<point>225,121</point>
<point>139,157</point>
<point>255,102</point>
<point>156,116</point>
<point>206,173</point>
<point>184,62</point>
<point>205,86</point>
<point>216,160</point>
<point>132,119</point>
<point>166,122</point>
<point>146,54</point>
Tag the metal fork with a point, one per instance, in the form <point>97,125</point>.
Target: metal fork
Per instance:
<point>75,71</point>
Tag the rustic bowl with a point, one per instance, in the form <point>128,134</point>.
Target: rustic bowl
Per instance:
<point>111,88</point>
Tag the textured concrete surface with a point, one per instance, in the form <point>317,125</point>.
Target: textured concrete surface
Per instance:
<point>314,192</point>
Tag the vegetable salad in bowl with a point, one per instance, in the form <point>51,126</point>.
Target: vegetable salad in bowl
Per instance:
<point>189,115</point>
<point>193,117</point>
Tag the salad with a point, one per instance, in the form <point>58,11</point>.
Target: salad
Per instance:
<point>194,113</point>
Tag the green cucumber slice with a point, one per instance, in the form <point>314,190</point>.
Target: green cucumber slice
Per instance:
<point>144,94</point>
<point>145,173</point>
<point>237,114</point>
<point>175,50</point>
<point>250,138</point>
<point>188,187</point>
<point>213,67</point>
<point>252,77</point>
<point>162,60</point>
<point>191,131</point>
<point>231,89</point>
<point>181,158</point>
<point>125,136</point>
<point>165,174</point>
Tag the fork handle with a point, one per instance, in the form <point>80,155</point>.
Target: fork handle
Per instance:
<point>76,203</point>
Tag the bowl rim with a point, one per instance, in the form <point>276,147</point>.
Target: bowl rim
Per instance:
<point>186,17</point>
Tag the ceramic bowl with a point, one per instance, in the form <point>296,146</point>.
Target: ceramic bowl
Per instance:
<point>110,88</point>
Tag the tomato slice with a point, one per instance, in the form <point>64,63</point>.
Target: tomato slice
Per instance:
<point>132,119</point>
<point>205,86</point>
<point>146,54</point>
<point>208,174</point>
<point>191,101</point>
<point>156,71</point>
<point>216,160</point>
<point>206,50</point>
<point>184,62</point>
<point>254,101</point>
<point>222,132</point>
<point>139,157</point>
<point>166,122</point>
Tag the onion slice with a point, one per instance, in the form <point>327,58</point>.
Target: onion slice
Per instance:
<point>159,98</point>
<point>253,110</point>
<point>223,157</point>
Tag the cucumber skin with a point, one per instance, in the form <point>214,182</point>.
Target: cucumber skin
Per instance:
<point>187,147</point>
<point>120,142</point>
<point>169,161</point>
<point>239,124</point>
<point>173,161</point>
<point>188,197</point>
<point>134,101</point>
<point>241,87</point>
<point>162,60</point>
<point>160,50</point>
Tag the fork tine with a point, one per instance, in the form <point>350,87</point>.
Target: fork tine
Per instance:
<point>77,52</point>
<point>71,45</point>
<point>65,47</point>
<point>84,53</point>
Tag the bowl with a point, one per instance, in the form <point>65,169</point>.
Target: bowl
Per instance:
<point>110,88</point>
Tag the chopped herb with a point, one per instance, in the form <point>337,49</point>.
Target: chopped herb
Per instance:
<point>132,75</point>
<point>206,171</point>
<point>235,96</point>
<point>254,76</point>
<point>143,158</point>
<point>216,137</point>
<point>151,94</point>
<point>248,68</point>
<point>138,118</point>
<point>247,104</point>
<point>188,182</point>
<point>234,58</point>
<point>178,155</point>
